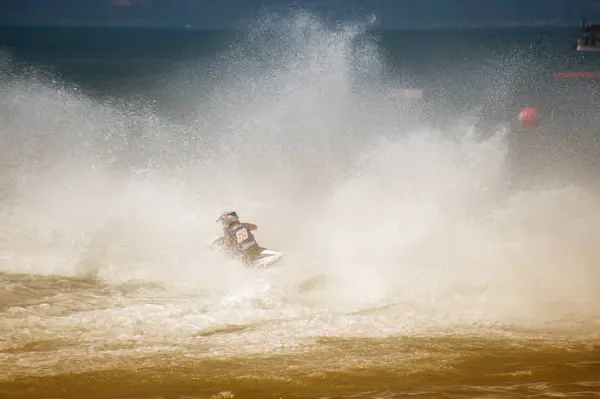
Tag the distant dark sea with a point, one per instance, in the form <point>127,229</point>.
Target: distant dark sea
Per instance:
<point>459,68</point>
<point>434,247</point>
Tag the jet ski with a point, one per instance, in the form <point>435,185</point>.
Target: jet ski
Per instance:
<point>269,259</point>
<point>266,259</point>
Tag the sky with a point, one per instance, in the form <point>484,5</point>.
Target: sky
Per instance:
<point>216,14</point>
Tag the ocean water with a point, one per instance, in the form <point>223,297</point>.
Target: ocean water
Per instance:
<point>433,248</point>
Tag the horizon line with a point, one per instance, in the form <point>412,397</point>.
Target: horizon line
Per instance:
<point>189,27</point>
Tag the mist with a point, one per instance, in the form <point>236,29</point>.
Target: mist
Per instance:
<point>292,127</point>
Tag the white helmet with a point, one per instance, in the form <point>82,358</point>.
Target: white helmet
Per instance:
<point>228,217</point>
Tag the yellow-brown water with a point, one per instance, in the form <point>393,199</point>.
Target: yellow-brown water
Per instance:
<point>57,348</point>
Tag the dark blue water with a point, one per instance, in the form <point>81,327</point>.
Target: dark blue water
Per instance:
<point>499,69</point>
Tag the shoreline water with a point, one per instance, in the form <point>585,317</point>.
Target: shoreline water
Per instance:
<point>455,367</point>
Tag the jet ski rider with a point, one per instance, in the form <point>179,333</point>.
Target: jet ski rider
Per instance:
<point>238,238</point>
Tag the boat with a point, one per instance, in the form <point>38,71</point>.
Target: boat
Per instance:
<point>589,40</point>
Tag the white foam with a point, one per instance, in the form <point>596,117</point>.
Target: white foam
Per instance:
<point>413,220</point>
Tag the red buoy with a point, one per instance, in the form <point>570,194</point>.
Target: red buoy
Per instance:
<point>529,118</point>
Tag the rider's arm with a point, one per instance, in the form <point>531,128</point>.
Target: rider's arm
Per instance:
<point>252,226</point>
<point>226,241</point>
